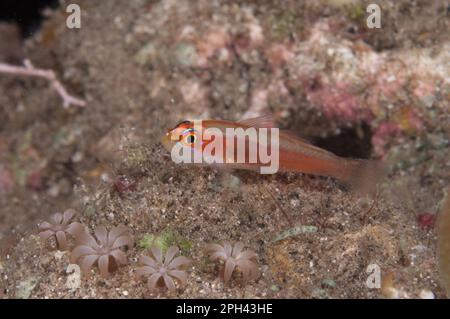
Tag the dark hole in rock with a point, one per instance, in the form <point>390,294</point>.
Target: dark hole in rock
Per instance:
<point>26,13</point>
<point>352,142</point>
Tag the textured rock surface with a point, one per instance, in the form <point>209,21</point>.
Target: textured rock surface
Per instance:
<point>143,66</point>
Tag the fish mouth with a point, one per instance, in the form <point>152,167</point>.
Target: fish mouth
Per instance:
<point>170,138</point>
<point>166,141</point>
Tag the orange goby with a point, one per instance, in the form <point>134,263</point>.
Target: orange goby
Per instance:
<point>295,154</point>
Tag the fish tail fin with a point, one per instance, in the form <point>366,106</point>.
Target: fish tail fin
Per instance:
<point>362,175</point>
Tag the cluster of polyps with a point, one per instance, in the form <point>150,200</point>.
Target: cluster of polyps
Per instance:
<point>107,250</point>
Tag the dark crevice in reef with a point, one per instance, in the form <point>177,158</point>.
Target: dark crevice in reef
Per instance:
<point>352,142</point>
<point>26,13</point>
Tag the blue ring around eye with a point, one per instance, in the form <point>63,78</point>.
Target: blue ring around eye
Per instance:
<point>188,130</point>
<point>191,130</point>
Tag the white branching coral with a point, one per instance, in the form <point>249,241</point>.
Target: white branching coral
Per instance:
<point>28,69</point>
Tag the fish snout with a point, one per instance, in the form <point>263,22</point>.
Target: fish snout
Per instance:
<point>166,141</point>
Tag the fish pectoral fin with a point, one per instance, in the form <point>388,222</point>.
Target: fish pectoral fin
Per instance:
<point>266,121</point>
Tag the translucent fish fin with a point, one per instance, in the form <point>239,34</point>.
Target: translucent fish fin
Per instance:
<point>260,121</point>
<point>362,175</point>
<point>295,136</point>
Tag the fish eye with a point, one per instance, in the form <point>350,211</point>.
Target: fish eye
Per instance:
<point>191,138</point>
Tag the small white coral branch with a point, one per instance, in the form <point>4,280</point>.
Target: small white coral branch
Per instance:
<point>29,70</point>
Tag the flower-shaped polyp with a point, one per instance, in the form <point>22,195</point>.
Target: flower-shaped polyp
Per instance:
<point>235,258</point>
<point>107,252</point>
<point>163,271</point>
<point>59,226</point>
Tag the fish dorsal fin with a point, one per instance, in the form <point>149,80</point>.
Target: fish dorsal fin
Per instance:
<point>260,121</point>
<point>295,136</point>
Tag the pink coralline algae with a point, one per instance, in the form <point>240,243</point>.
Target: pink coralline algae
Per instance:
<point>423,89</point>
<point>384,132</point>
<point>386,86</point>
<point>279,53</point>
<point>405,121</point>
<point>336,102</point>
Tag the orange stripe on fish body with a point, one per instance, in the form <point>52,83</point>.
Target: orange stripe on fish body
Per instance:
<point>295,154</point>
